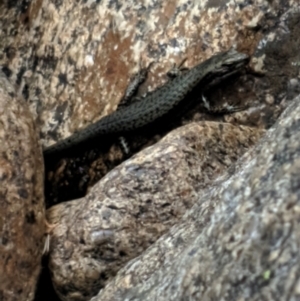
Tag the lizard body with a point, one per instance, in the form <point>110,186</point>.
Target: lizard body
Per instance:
<point>156,104</point>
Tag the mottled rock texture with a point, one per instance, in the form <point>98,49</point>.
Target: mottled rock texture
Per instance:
<point>73,69</point>
<point>22,213</point>
<point>72,60</point>
<point>240,241</point>
<point>136,203</point>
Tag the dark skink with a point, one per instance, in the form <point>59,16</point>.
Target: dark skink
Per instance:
<point>156,104</point>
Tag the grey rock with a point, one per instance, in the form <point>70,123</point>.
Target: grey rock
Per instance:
<point>73,69</point>
<point>240,241</point>
<point>136,203</point>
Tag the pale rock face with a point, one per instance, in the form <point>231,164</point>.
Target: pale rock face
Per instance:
<point>74,69</point>
<point>22,212</point>
<point>240,241</point>
<point>72,64</point>
<point>136,203</point>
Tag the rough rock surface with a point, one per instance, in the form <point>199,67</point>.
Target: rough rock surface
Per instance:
<point>136,203</point>
<point>267,29</point>
<point>240,241</point>
<point>22,213</point>
<point>73,69</point>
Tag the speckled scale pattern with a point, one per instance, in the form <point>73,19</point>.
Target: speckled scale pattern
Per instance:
<point>156,105</point>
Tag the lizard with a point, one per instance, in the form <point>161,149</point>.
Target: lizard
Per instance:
<point>157,104</point>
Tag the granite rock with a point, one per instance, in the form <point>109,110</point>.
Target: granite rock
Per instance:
<point>240,241</point>
<point>136,203</point>
<point>268,31</point>
<point>73,69</point>
<point>22,212</point>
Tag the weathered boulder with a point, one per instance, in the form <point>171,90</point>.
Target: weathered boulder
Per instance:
<point>22,213</point>
<point>136,203</point>
<point>73,69</point>
<point>240,241</point>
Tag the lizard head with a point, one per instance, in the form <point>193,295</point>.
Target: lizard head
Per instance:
<point>229,61</point>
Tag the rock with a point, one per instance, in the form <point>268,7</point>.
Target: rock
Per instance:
<point>136,203</point>
<point>54,50</point>
<point>73,69</point>
<point>22,213</point>
<point>240,241</point>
